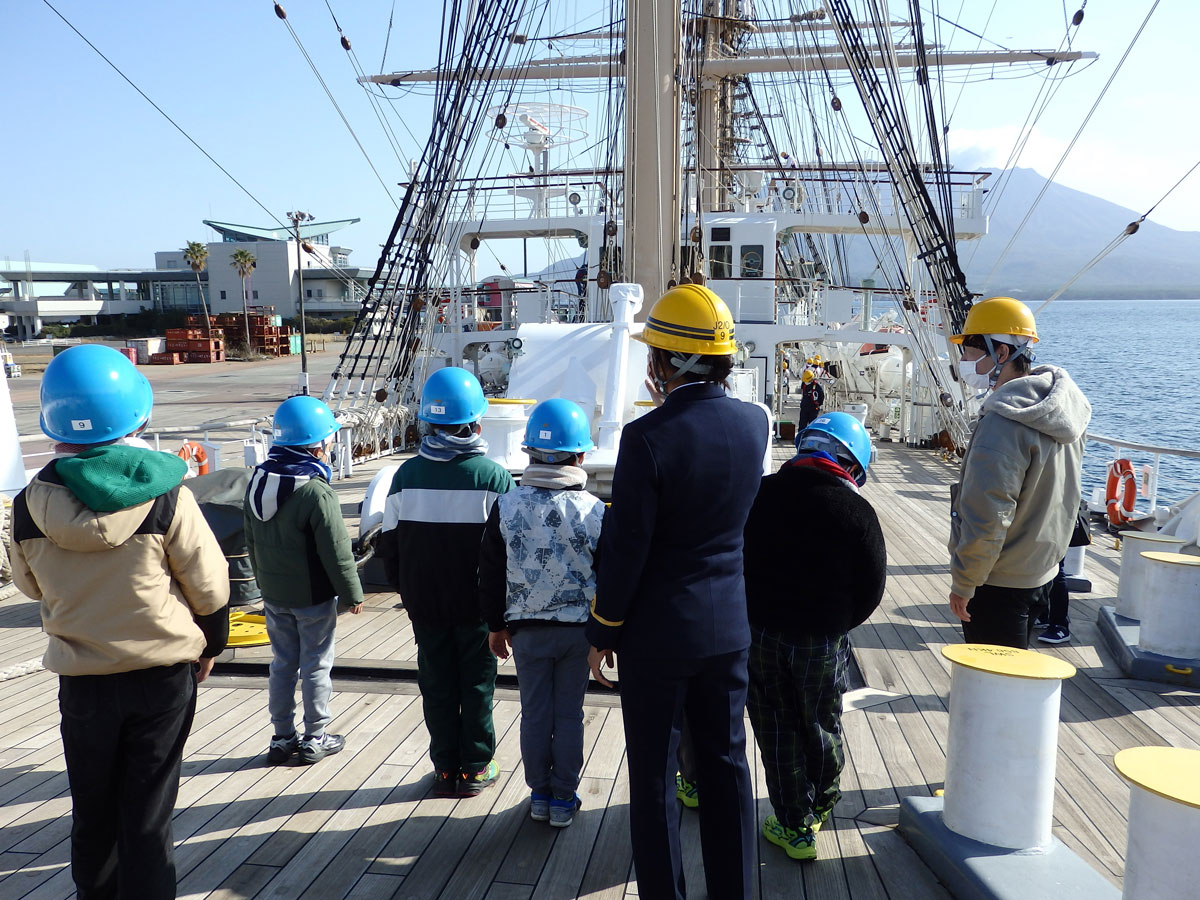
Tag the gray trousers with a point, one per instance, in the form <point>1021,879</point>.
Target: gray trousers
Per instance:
<point>302,644</point>
<point>553,673</point>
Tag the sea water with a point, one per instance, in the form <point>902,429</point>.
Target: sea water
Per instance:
<point>1138,362</point>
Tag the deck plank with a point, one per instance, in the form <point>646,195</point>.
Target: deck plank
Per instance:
<point>362,824</point>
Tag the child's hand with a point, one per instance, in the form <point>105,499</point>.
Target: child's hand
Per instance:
<point>355,609</point>
<point>499,643</point>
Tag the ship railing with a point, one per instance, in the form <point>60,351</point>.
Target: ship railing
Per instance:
<point>1152,477</point>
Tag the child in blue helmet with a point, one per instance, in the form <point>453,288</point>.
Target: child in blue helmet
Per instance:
<point>800,615</point>
<point>433,523</point>
<point>536,583</point>
<point>302,560</point>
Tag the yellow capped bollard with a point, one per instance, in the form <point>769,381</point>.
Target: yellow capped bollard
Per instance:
<point>1164,822</point>
<point>1003,742</point>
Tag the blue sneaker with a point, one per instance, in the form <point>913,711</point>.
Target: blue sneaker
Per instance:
<point>562,812</point>
<point>539,807</point>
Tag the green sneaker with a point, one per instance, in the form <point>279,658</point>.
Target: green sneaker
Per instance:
<point>820,818</point>
<point>686,792</point>
<point>474,783</point>
<point>796,844</point>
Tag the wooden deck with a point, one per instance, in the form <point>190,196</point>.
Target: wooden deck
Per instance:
<point>361,824</point>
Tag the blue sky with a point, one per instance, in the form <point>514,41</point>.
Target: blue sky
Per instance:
<point>93,174</point>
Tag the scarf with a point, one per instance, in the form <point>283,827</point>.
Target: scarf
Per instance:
<point>553,477</point>
<point>285,470</point>
<point>443,447</point>
<point>818,459</point>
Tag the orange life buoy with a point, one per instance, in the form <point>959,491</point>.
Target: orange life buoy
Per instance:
<point>1120,493</point>
<point>191,452</point>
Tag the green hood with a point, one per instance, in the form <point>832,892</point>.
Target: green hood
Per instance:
<point>113,477</point>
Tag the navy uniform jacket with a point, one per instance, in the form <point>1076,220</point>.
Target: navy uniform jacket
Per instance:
<point>670,580</point>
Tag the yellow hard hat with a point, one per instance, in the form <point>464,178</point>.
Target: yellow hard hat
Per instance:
<point>809,360</point>
<point>998,315</point>
<point>817,359</point>
<point>690,318</point>
<point>807,376</point>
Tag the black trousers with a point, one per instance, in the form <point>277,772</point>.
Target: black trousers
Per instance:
<point>1004,616</point>
<point>1059,600</point>
<point>123,738</point>
<point>654,696</point>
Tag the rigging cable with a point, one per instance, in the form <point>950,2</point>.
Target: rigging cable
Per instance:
<point>161,112</point>
<point>1070,146</point>
<point>279,11</point>
<point>1130,230</point>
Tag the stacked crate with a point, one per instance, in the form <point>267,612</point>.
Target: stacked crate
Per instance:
<point>268,335</point>
<point>195,345</point>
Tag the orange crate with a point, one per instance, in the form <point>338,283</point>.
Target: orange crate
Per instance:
<point>166,359</point>
<point>206,356</point>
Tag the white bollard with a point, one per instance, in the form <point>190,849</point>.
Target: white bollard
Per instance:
<point>1164,822</point>
<point>503,427</point>
<point>1003,741</point>
<point>1170,605</point>
<point>1131,587</point>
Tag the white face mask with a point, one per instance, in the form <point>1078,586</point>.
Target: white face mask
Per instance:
<point>972,378</point>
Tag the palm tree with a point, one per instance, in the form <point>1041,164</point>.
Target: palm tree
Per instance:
<point>244,261</point>
<point>196,255</point>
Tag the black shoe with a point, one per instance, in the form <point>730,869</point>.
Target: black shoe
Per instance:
<point>314,748</point>
<point>1055,634</point>
<point>283,747</point>
<point>445,784</point>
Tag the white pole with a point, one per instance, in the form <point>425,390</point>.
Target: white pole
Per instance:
<point>626,300</point>
<point>1000,758</point>
<point>1164,822</point>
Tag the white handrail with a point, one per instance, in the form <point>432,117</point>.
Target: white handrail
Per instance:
<point>1146,448</point>
<point>1157,452</point>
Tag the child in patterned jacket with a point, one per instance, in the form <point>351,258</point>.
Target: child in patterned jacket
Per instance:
<point>536,584</point>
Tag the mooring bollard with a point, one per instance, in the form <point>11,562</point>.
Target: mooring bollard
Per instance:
<point>1170,605</point>
<point>1003,741</point>
<point>1132,585</point>
<point>1164,822</point>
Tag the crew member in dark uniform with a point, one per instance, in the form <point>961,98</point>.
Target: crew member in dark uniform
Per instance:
<point>671,600</point>
<point>812,398</point>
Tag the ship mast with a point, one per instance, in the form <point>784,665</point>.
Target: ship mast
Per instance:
<point>651,183</point>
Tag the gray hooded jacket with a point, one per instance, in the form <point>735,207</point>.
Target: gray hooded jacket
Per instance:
<point>1013,510</point>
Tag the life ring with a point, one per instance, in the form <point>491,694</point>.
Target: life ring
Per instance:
<point>1120,493</point>
<point>193,453</point>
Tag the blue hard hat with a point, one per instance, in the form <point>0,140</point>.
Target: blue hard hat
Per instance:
<point>452,396</point>
<point>558,424</point>
<point>303,421</point>
<point>91,394</point>
<point>847,432</point>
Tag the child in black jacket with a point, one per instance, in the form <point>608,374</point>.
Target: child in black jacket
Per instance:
<point>800,616</point>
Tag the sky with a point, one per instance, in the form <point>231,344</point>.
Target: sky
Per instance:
<point>93,174</point>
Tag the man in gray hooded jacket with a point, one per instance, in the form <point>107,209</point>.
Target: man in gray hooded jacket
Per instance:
<point>1014,508</point>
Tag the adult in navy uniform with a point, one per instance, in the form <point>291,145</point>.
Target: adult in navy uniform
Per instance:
<point>670,596</point>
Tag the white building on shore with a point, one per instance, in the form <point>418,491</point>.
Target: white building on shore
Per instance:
<point>33,293</point>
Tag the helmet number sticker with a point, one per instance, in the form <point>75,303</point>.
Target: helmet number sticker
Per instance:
<point>437,410</point>
<point>81,424</point>
<point>545,435</point>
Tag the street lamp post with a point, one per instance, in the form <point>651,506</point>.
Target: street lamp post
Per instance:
<point>297,217</point>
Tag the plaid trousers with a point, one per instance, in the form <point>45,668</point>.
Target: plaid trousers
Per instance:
<point>795,704</point>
